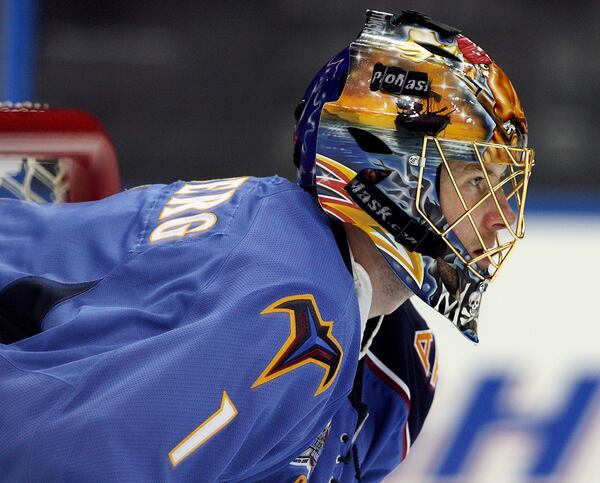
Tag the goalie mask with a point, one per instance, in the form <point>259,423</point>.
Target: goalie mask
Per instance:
<point>414,135</point>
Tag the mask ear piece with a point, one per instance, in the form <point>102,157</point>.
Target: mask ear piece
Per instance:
<point>368,142</point>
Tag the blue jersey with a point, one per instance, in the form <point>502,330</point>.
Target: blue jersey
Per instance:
<point>200,331</point>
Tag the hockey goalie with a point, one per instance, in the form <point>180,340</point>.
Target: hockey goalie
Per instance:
<point>254,329</point>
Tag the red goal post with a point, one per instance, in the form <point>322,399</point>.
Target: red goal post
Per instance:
<point>55,155</point>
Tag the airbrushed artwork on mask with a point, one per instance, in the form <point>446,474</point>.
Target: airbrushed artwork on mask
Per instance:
<point>434,280</point>
<point>501,100</point>
<point>428,117</point>
<point>415,90</point>
<point>414,102</point>
<point>332,180</point>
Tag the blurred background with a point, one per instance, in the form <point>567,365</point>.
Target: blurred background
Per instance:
<point>194,89</point>
<point>197,89</point>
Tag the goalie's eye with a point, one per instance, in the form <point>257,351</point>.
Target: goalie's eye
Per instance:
<point>368,141</point>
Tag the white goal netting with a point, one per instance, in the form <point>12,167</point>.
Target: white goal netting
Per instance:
<point>38,180</point>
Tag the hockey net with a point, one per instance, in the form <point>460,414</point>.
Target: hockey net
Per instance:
<point>54,155</point>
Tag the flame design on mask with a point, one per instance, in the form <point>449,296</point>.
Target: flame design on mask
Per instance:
<point>332,177</point>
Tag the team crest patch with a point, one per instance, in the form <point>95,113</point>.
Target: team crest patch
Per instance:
<point>310,342</point>
<point>309,458</point>
<point>425,347</point>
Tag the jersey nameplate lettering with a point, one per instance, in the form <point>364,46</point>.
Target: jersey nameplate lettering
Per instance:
<point>188,210</point>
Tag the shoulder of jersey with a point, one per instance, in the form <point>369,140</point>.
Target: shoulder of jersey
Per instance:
<point>189,210</point>
<point>404,353</point>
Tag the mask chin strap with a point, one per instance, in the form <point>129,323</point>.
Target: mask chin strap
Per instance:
<point>405,230</point>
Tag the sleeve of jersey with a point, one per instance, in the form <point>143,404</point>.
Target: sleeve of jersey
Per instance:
<point>273,358</point>
<point>244,382</point>
<point>50,253</point>
<point>401,370</point>
<point>70,242</point>
<point>269,383</point>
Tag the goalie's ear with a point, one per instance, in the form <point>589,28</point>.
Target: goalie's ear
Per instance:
<point>55,154</point>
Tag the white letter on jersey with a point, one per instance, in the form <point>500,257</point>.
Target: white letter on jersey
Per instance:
<point>179,204</point>
<point>215,423</point>
<point>197,203</point>
<point>179,227</point>
<point>221,184</point>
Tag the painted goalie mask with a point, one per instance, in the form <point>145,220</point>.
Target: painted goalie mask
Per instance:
<point>414,135</point>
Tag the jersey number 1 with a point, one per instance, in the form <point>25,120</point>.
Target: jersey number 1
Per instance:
<point>215,423</point>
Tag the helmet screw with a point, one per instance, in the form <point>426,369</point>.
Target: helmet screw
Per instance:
<point>414,160</point>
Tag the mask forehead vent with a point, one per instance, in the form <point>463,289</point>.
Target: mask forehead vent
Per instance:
<point>412,17</point>
<point>434,49</point>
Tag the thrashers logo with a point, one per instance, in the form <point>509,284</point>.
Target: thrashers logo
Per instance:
<point>310,342</point>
